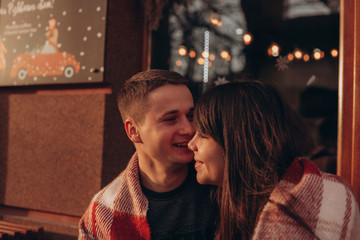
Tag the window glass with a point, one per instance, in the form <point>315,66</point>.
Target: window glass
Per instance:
<point>293,44</point>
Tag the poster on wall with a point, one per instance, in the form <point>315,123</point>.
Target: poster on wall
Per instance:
<point>52,41</point>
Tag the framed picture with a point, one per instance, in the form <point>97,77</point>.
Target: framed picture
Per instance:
<point>52,41</point>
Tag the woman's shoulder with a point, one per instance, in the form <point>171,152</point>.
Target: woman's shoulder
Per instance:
<point>322,202</point>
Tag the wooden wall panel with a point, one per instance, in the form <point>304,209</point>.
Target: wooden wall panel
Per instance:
<point>54,144</point>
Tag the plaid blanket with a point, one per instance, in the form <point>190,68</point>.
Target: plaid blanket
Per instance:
<point>119,210</point>
<point>325,204</point>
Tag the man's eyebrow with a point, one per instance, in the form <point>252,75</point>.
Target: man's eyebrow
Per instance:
<point>169,113</point>
<point>191,110</point>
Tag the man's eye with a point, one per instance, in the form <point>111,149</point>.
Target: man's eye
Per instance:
<point>170,119</point>
<point>190,117</point>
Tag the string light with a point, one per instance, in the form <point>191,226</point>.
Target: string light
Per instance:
<point>206,56</point>
<point>273,50</point>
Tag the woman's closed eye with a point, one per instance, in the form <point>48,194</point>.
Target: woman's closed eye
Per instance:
<point>201,135</point>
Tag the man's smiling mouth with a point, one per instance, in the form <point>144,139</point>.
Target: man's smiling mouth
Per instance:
<point>180,145</point>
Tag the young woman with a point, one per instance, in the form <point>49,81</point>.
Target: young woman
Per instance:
<point>249,142</point>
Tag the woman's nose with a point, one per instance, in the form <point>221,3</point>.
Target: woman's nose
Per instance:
<point>191,144</point>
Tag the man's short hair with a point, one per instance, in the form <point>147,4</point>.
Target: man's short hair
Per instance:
<point>132,98</point>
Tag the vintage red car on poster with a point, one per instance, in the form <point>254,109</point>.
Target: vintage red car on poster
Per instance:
<point>44,63</point>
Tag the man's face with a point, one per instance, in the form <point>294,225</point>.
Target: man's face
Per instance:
<point>168,126</point>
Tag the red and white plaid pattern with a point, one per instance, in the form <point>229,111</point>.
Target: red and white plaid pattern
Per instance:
<point>325,202</point>
<point>119,210</point>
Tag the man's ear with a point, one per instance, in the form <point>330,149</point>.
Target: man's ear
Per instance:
<point>132,131</point>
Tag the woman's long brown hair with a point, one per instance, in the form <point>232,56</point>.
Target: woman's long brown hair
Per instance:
<point>260,135</point>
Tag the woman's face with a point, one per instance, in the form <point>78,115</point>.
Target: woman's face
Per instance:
<point>209,157</point>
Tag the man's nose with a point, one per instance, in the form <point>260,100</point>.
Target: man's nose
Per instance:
<point>187,127</point>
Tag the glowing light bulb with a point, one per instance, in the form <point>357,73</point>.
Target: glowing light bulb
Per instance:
<point>178,63</point>
<point>239,31</point>
<point>274,50</point>
<point>224,54</point>
<point>306,57</point>
<point>215,19</point>
<point>290,56</point>
<point>298,54</point>
<point>334,53</point>
<point>205,54</point>
<point>247,38</point>
<point>192,54</point>
<point>200,61</point>
<point>182,51</point>
<point>317,54</point>
<point>322,54</point>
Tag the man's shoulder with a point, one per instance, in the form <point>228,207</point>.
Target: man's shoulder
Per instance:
<point>107,195</point>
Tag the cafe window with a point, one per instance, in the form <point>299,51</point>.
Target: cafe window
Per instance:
<point>294,44</point>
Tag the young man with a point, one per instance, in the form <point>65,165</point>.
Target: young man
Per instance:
<point>157,195</point>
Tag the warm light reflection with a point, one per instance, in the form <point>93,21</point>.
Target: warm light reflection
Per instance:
<point>334,53</point>
<point>247,38</point>
<point>212,57</point>
<point>182,51</point>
